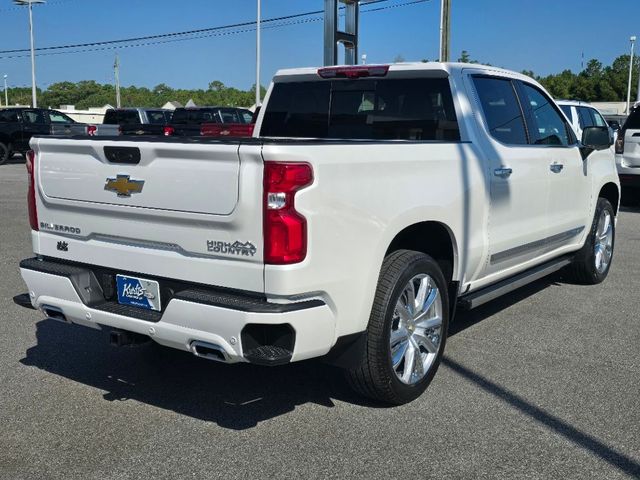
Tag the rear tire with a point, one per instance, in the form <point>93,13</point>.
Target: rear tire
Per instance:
<point>592,263</point>
<point>407,330</point>
<point>5,153</point>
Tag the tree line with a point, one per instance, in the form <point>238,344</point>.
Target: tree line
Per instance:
<point>88,93</point>
<point>596,83</point>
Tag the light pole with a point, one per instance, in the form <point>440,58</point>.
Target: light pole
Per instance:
<point>258,19</point>
<point>633,41</point>
<point>30,3</point>
<point>6,93</point>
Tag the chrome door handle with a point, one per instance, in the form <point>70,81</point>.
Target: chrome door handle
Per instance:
<point>556,167</point>
<point>502,172</point>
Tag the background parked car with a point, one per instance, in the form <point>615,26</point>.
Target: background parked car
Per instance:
<point>187,122</point>
<point>582,115</point>
<point>134,121</point>
<point>18,125</point>
<point>628,157</point>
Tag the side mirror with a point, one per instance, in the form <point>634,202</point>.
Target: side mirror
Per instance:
<point>596,138</point>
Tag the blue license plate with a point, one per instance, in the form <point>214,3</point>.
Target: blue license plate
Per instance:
<point>138,292</point>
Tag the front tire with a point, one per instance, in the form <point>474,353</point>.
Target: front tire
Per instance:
<point>592,263</point>
<point>407,330</point>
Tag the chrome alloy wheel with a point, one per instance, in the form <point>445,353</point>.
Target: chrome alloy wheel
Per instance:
<point>416,329</point>
<point>603,245</point>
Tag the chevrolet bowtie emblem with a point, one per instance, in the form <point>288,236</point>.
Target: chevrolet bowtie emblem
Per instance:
<point>123,185</point>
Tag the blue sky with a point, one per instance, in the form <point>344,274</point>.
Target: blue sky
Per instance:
<point>545,36</point>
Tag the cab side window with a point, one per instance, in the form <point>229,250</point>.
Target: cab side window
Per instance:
<point>502,110</point>
<point>9,116</point>
<point>57,117</point>
<point>33,116</point>
<point>548,126</point>
<point>586,119</point>
<point>597,119</point>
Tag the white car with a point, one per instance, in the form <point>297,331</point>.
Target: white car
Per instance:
<point>582,115</point>
<point>370,202</point>
<point>628,155</point>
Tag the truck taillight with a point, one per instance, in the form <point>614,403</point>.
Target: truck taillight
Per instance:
<point>285,230</point>
<point>91,130</point>
<point>620,142</point>
<point>31,191</point>
<point>167,131</point>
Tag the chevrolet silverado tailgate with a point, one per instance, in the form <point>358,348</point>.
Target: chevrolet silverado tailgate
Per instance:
<point>187,210</point>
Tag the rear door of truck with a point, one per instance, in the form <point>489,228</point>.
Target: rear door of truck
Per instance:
<point>189,211</point>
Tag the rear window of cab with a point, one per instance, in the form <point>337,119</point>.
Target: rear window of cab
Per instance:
<point>364,109</point>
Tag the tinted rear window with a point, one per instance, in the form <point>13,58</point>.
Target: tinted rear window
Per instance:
<point>386,109</point>
<point>156,117</point>
<point>121,117</point>
<point>634,120</point>
<point>195,116</point>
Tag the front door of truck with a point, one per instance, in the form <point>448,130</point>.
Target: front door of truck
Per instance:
<point>569,182</point>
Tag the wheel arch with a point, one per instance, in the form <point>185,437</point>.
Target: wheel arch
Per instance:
<point>611,192</point>
<point>432,238</point>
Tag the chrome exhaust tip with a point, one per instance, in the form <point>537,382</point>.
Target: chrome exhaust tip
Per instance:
<point>54,313</point>
<point>209,351</point>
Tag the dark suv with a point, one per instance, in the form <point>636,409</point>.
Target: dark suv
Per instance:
<point>18,125</point>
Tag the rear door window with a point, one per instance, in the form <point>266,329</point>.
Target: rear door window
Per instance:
<point>586,119</point>
<point>34,117</point>
<point>380,109</point>
<point>502,110</point>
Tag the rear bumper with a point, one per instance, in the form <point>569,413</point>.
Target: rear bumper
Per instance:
<point>629,176</point>
<point>191,315</point>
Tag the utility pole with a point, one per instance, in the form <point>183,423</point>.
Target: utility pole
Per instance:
<point>258,19</point>
<point>116,68</point>
<point>445,29</point>
<point>633,41</point>
<point>6,92</point>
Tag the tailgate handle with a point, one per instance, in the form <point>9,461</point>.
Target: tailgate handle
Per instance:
<point>123,155</point>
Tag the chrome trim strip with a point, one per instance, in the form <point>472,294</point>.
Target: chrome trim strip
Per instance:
<point>538,244</point>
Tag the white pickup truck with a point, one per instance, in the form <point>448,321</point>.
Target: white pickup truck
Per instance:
<point>369,203</point>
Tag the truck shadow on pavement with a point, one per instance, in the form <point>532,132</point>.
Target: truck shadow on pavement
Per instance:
<point>238,397</point>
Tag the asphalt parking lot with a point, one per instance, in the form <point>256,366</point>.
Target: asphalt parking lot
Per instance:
<point>544,383</point>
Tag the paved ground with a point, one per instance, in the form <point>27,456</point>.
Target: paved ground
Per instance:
<point>542,384</point>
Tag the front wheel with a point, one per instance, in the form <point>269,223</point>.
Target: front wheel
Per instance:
<point>592,263</point>
<point>407,330</point>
